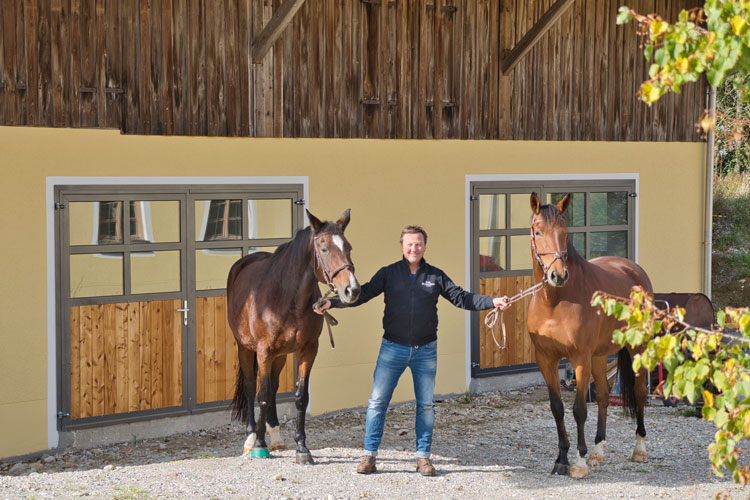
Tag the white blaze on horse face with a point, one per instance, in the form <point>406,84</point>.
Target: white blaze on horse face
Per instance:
<point>338,241</point>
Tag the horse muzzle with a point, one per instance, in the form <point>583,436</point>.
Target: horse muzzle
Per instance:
<point>349,293</point>
<point>556,278</point>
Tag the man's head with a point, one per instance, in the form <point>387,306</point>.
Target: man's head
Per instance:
<point>413,243</point>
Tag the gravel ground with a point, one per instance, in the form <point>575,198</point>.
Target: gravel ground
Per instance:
<point>495,445</point>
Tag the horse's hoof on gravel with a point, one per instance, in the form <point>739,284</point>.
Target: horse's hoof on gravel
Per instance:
<point>578,472</point>
<point>595,460</point>
<point>640,456</point>
<point>561,470</point>
<point>305,459</point>
<point>260,453</point>
<point>278,447</point>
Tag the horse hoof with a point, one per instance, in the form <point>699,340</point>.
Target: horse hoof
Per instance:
<point>595,460</point>
<point>305,459</point>
<point>260,453</point>
<point>578,472</point>
<point>640,457</point>
<point>561,469</point>
<point>278,447</point>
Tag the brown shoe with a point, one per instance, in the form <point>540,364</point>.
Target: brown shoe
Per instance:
<point>367,465</point>
<point>425,467</point>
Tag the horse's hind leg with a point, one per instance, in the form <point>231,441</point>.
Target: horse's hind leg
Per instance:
<point>244,398</point>
<point>639,453</point>
<point>276,443</point>
<point>260,449</point>
<point>548,367</point>
<point>305,358</point>
<point>599,371</point>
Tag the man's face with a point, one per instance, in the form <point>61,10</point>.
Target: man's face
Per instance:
<point>413,247</point>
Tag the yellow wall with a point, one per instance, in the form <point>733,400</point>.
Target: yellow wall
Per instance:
<point>387,184</point>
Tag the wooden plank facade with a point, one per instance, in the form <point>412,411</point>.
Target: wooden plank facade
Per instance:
<point>341,68</point>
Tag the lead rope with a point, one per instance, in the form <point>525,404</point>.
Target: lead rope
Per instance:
<point>491,319</point>
<point>330,320</point>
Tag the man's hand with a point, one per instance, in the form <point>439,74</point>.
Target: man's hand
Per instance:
<point>501,302</point>
<point>320,310</point>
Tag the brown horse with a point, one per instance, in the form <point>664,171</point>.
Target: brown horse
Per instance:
<point>563,324</point>
<point>270,301</point>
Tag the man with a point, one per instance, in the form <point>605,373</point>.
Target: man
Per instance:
<point>411,287</point>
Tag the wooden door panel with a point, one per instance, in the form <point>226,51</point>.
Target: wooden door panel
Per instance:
<point>518,349</point>
<point>216,354</point>
<point>125,357</point>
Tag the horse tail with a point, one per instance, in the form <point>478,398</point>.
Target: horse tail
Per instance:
<point>627,382</point>
<point>238,406</point>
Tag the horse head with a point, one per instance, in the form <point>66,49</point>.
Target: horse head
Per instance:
<point>333,256</point>
<point>549,239</point>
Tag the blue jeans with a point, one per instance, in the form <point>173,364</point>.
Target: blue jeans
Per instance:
<point>392,361</point>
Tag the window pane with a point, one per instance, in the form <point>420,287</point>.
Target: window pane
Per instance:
<point>520,210</point>
<point>95,222</point>
<point>269,218</point>
<point>153,272</point>
<point>217,220</point>
<point>97,274</point>
<point>492,211</point>
<point>212,267</point>
<point>579,242</point>
<point>520,252</point>
<point>575,215</point>
<point>609,208</point>
<point>154,221</point>
<point>609,243</point>
<point>491,253</point>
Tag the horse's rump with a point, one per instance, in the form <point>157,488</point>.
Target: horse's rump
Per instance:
<point>699,311</point>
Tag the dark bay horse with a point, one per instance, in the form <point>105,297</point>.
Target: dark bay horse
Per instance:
<point>270,301</point>
<point>563,324</point>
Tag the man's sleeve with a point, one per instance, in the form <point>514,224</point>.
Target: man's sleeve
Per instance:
<point>368,291</point>
<point>461,298</point>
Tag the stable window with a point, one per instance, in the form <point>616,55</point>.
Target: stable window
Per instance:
<point>601,221</point>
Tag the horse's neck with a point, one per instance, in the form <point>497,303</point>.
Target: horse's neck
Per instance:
<point>297,279</point>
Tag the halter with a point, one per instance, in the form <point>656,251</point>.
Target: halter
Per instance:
<point>559,255</point>
<point>330,320</point>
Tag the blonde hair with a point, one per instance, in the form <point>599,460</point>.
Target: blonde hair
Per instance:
<point>413,230</point>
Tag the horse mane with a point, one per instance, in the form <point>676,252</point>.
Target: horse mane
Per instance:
<point>291,261</point>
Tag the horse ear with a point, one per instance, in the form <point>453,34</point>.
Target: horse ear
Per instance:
<point>535,203</point>
<point>562,205</point>
<point>344,219</point>
<point>314,221</point>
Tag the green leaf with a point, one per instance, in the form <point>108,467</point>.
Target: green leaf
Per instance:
<point>721,418</point>
<point>721,317</point>
<point>624,15</point>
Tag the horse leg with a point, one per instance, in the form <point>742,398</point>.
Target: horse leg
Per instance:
<point>639,453</point>
<point>276,443</point>
<point>244,398</point>
<point>305,358</point>
<point>599,371</point>
<point>548,367</point>
<point>260,449</point>
<point>580,411</point>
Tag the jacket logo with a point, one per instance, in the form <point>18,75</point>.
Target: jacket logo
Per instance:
<point>428,283</point>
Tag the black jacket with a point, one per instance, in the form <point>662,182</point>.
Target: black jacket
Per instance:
<point>410,316</point>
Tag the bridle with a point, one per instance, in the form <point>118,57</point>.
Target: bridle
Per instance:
<point>559,255</point>
<point>330,320</point>
<point>491,319</point>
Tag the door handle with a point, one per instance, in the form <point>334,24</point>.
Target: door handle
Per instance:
<point>184,310</point>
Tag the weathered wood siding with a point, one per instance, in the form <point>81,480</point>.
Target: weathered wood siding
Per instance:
<point>342,68</point>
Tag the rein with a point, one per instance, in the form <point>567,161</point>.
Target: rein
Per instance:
<point>491,319</point>
<point>330,320</point>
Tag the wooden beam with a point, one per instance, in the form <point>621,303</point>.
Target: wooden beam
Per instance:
<point>534,34</point>
<point>281,18</point>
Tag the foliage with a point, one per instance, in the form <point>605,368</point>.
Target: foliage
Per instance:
<point>714,40</point>
<point>712,364</point>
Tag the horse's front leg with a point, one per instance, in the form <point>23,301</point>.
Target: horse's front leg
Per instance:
<point>599,371</point>
<point>305,358</point>
<point>580,469</point>
<point>260,449</point>
<point>548,367</point>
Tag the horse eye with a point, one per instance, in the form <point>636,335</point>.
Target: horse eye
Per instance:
<point>537,233</point>
<point>323,249</point>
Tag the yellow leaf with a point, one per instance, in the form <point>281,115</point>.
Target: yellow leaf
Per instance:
<point>707,123</point>
<point>711,37</point>
<point>708,399</point>
<point>739,25</point>
<point>658,27</point>
<point>682,65</point>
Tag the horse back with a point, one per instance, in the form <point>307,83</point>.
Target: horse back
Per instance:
<point>617,275</point>
<point>699,310</point>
